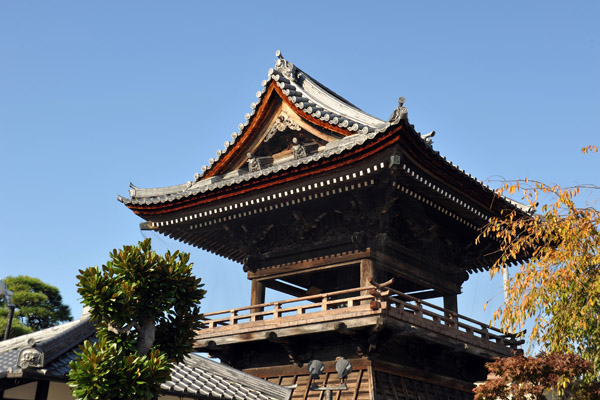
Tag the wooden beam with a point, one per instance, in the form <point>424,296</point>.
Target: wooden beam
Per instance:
<point>429,278</point>
<point>312,264</point>
<point>290,370</point>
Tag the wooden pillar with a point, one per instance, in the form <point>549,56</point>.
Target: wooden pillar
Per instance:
<point>41,392</point>
<point>367,273</point>
<point>451,302</point>
<point>257,296</point>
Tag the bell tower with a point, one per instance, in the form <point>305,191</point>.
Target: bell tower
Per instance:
<point>361,223</point>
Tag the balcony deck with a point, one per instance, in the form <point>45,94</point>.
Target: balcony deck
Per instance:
<point>348,310</point>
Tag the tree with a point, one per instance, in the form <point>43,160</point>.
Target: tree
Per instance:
<point>146,308</point>
<point>558,284</point>
<point>38,305</point>
<point>533,378</point>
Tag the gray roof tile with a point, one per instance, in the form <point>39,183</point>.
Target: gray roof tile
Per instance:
<point>195,377</point>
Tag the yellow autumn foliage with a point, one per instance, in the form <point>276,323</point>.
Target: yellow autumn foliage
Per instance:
<point>558,284</point>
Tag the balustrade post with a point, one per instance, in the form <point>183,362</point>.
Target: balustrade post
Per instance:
<point>277,310</point>
<point>400,306</point>
<point>419,311</point>
<point>485,334</point>
<point>454,320</point>
<point>324,303</point>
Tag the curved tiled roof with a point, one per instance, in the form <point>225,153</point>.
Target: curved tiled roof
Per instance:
<point>308,95</point>
<point>313,99</point>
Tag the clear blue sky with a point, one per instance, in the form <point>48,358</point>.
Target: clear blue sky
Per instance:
<point>94,95</point>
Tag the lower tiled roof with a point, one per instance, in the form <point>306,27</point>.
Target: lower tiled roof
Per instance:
<point>201,377</point>
<point>196,377</point>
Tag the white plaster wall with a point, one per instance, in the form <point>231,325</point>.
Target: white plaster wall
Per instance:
<point>22,392</point>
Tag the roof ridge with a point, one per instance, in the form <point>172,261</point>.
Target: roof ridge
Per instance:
<point>39,335</point>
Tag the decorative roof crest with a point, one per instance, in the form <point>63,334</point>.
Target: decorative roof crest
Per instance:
<point>284,67</point>
<point>399,113</point>
<point>31,356</point>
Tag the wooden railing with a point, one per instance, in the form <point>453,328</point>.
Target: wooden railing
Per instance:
<point>370,299</point>
<point>302,305</point>
<point>403,303</point>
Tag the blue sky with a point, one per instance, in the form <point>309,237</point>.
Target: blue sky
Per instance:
<point>94,95</point>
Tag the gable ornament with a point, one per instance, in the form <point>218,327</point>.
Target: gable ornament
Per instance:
<point>282,122</point>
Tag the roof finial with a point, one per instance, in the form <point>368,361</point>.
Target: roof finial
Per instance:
<point>428,138</point>
<point>284,67</point>
<point>399,113</point>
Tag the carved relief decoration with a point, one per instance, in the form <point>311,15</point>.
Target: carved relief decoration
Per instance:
<point>31,357</point>
<point>282,123</point>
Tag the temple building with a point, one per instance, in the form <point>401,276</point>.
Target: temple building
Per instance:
<point>359,221</point>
